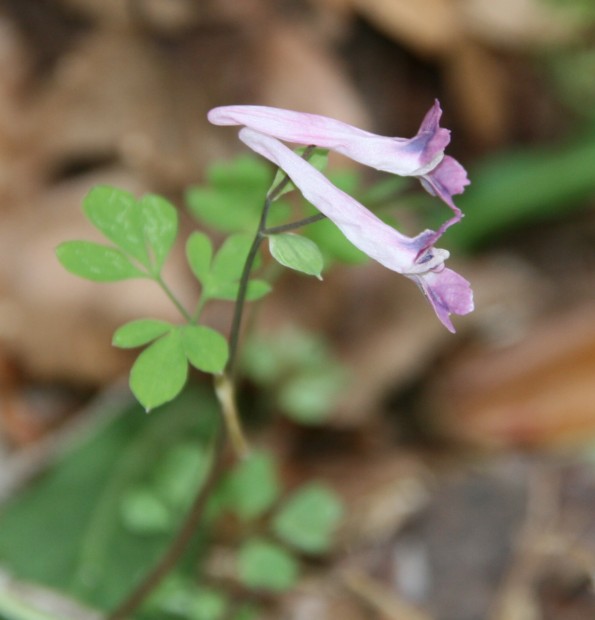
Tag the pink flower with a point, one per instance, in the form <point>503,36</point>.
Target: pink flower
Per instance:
<point>414,257</point>
<point>421,156</point>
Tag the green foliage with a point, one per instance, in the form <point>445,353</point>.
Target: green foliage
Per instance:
<point>231,200</point>
<point>140,332</point>
<point>97,262</point>
<point>144,513</point>
<point>220,275</point>
<point>145,229</point>
<point>252,487</point>
<point>160,371</point>
<point>297,369</point>
<point>308,519</point>
<point>516,189</point>
<point>75,521</point>
<point>297,253</point>
<point>318,159</point>
<point>263,565</point>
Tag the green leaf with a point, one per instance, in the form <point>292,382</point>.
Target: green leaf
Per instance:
<point>140,332</point>
<point>159,222</point>
<point>179,473</point>
<point>205,348</point>
<point>144,513</point>
<point>309,396</point>
<point>297,253</point>
<point>199,253</point>
<point>230,258</point>
<point>233,198</point>
<point>115,213</point>
<point>257,289</point>
<point>206,604</point>
<point>309,518</point>
<point>318,159</point>
<point>228,291</point>
<point>96,262</point>
<point>253,486</point>
<point>160,371</point>
<point>265,566</point>
<point>87,551</point>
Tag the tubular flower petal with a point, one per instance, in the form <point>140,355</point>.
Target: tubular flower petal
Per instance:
<point>413,257</point>
<point>421,156</point>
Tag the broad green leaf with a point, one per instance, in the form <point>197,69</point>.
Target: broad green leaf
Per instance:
<point>297,253</point>
<point>115,213</point>
<point>265,566</point>
<point>96,262</point>
<point>308,519</point>
<point>205,348</point>
<point>199,253</point>
<point>144,513</point>
<point>79,497</point>
<point>318,159</point>
<point>253,486</point>
<point>160,371</point>
<point>159,221</point>
<point>140,332</point>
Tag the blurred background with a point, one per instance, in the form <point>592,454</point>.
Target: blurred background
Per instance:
<point>466,461</point>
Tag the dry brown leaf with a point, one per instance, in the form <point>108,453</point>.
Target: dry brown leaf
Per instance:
<point>430,27</point>
<point>516,23</point>
<point>537,391</point>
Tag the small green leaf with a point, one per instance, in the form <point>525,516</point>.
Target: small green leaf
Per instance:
<point>253,486</point>
<point>318,159</point>
<point>144,513</point>
<point>159,222</point>
<point>257,289</point>
<point>96,262</point>
<point>115,213</point>
<point>309,396</point>
<point>205,348</point>
<point>179,472</point>
<point>230,258</point>
<point>160,371</point>
<point>199,253</point>
<point>297,253</point>
<point>265,566</point>
<point>206,604</point>
<point>140,332</point>
<point>309,518</point>
<point>228,291</point>
<point>233,198</point>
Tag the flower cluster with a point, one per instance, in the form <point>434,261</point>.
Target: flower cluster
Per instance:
<point>421,156</point>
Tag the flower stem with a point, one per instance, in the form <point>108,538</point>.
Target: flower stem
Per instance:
<point>225,394</point>
<point>275,230</point>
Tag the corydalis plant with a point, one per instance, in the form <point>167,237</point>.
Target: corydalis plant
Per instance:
<point>422,156</point>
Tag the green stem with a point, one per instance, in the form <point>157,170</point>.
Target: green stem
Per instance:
<point>176,302</point>
<point>245,277</point>
<point>240,302</point>
<point>275,230</point>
